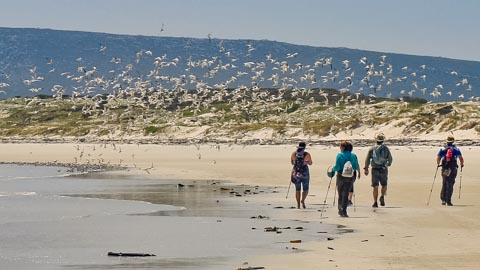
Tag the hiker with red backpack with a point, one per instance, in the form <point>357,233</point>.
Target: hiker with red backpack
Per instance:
<point>347,169</point>
<point>447,159</point>
<point>300,160</point>
<point>380,158</point>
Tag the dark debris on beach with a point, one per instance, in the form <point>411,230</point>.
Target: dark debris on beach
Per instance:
<point>73,167</point>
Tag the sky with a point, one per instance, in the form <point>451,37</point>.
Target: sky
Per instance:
<point>445,28</point>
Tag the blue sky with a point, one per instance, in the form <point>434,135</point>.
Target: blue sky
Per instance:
<point>446,28</point>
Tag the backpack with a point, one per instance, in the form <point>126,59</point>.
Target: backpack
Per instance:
<point>348,170</point>
<point>449,155</point>
<point>449,161</point>
<point>378,156</point>
<point>299,166</point>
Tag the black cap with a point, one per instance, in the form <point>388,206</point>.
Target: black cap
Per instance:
<point>302,145</point>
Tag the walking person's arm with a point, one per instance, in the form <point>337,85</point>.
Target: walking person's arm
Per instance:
<point>308,159</point>
<point>389,157</point>
<point>439,157</point>
<point>335,167</point>
<point>356,166</point>
<point>367,161</point>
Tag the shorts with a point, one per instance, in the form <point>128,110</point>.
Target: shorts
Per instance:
<point>379,177</point>
<point>302,182</point>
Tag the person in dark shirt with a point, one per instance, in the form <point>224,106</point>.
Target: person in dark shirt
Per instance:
<point>447,158</point>
<point>301,173</point>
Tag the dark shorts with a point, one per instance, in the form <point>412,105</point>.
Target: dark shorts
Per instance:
<point>302,182</point>
<point>379,177</point>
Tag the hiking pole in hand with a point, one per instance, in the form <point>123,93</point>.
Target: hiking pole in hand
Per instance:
<point>288,190</point>
<point>354,203</point>
<point>329,170</point>
<point>460,187</point>
<point>438,166</point>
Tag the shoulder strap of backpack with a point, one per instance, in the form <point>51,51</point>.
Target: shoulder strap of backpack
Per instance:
<point>379,148</point>
<point>444,154</point>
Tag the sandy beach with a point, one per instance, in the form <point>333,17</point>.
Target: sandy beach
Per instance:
<point>406,234</point>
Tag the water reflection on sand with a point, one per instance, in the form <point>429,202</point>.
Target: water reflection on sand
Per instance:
<point>49,221</point>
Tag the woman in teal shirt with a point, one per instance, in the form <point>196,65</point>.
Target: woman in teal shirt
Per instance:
<point>344,180</point>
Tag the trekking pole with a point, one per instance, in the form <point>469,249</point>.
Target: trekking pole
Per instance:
<point>460,187</point>
<point>328,189</point>
<point>288,190</point>
<point>354,203</point>
<point>432,185</point>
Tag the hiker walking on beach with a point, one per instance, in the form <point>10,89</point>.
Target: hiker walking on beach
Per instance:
<point>447,159</point>
<point>380,158</point>
<point>300,173</point>
<point>347,169</point>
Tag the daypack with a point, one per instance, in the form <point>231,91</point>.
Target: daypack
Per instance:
<point>299,166</point>
<point>449,155</point>
<point>449,161</point>
<point>379,157</point>
<point>348,170</point>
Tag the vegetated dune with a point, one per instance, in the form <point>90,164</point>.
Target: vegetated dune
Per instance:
<point>244,121</point>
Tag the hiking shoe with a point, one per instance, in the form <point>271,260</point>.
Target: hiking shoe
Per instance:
<point>375,205</point>
<point>444,202</point>
<point>449,204</point>
<point>350,203</point>
<point>382,201</point>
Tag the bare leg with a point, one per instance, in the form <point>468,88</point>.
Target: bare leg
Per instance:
<point>384,190</point>
<point>382,198</point>
<point>297,196</point>
<point>350,195</point>
<point>304,196</point>
<point>375,194</point>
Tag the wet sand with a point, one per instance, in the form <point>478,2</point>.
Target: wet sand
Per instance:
<point>405,234</point>
<point>50,219</point>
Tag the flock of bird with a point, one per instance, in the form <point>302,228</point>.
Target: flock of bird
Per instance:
<point>173,85</point>
<point>172,88</point>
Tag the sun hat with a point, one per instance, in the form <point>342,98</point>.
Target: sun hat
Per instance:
<point>450,139</point>
<point>380,137</point>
